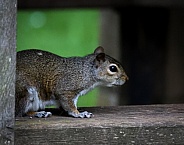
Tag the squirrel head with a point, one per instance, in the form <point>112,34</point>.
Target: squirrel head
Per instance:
<point>108,70</point>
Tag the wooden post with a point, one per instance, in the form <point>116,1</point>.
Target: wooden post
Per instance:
<point>7,69</point>
<point>110,40</point>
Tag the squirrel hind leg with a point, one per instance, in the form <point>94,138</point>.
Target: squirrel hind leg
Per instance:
<point>40,114</point>
<point>34,104</point>
<point>32,100</point>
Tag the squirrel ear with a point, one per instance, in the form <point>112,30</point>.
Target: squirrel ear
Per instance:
<point>99,49</point>
<point>100,58</point>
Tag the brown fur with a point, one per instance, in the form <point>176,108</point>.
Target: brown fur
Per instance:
<point>61,79</point>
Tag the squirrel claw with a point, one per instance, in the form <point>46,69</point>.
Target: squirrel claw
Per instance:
<point>43,114</point>
<point>84,114</point>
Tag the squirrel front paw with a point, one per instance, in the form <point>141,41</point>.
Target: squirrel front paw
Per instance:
<point>84,114</point>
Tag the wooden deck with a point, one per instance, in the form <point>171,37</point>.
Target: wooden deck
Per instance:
<point>149,124</point>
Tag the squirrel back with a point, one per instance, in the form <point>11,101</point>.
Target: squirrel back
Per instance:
<point>46,78</point>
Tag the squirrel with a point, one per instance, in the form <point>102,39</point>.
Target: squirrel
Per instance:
<point>44,78</point>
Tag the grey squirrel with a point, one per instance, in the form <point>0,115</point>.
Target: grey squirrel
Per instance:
<point>43,78</point>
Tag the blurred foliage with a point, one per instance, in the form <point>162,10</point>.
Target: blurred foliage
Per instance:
<point>63,32</point>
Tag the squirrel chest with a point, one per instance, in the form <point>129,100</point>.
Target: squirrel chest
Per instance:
<point>44,78</point>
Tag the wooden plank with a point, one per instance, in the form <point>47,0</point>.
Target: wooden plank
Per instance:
<point>149,124</point>
<point>22,4</point>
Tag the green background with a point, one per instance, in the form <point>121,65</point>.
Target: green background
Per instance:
<point>63,32</point>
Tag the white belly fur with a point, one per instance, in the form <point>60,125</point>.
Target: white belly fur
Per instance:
<point>34,103</point>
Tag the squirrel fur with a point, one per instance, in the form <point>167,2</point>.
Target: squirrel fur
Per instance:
<point>43,78</point>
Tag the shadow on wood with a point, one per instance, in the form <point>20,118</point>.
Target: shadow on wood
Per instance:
<point>151,124</point>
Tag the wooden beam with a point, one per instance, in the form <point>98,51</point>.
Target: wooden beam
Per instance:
<point>22,4</point>
<point>149,124</point>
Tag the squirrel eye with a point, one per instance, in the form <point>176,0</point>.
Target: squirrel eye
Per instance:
<point>113,68</point>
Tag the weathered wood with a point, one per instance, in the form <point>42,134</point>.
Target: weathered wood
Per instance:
<point>7,69</point>
<point>151,124</point>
